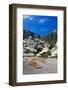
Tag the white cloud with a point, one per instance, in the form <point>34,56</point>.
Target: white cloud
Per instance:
<point>43,20</point>
<point>31,18</point>
<point>28,17</point>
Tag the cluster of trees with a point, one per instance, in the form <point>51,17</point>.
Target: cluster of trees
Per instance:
<point>52,39</point>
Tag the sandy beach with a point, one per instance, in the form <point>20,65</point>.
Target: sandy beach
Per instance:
<point>49,66</point>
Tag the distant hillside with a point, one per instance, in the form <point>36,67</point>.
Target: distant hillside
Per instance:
<point>51,38</point>
<point>26,34</point>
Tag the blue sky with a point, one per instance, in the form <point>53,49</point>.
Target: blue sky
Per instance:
<point>40,24</point>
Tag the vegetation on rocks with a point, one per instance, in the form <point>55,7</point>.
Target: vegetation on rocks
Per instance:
<point>35,43</point>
